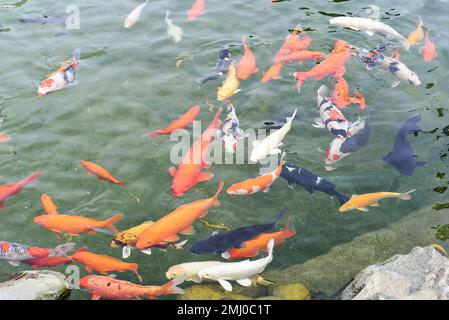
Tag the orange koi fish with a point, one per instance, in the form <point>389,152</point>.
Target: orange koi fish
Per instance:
<point>49,206</point>
<point>111,288</point>
<point>182,122</point>
<point>341,98</point>
<point>50,262</point>
<point>261,183</point>
<point>428,52</point>
<point>247,65</point>
<point>4,137</point>
<point>177,222</point>
<point>76,225</point>
<point>100,172</point>
<point>196,10</point>
<point>251,248</point>
<point>273,73</point>
<point>361,202</point>
<point>333,64</point>
<point>189,171</point>
<point>103,263</point>
<point>301,56</point>
<point>293,43</point>
<point>10,189</point>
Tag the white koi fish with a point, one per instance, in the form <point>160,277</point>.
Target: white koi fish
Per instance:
<point>271,144</point>
<point>244,272</point>
<point>173,30</point>
<point>401,71</point>
<point>134,16</point>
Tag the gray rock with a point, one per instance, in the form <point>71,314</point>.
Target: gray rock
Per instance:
<point>423,274</point>
<point>34,285</point>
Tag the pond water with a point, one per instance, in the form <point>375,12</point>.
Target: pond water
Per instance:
<point>129,84</point>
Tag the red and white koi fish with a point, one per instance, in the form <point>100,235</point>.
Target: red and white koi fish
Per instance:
<point>62,77</point>
<point>10,189</point>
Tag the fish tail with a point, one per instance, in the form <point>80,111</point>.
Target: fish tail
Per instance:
<point>109,223</point>
<point>180,245</point>
<point>288,230</point>
<point>341,197</point>
<point>270,247</point>
<point>411,125</point>
<point>420,22</point>
<point>278,217</point>
<point>290,119</point>
<point>63,249</point>
<point>167,15</point>
<point>204,80</point>
<point>172,286</point>
<point>156,133</point>
<point>406,195</point>
<point>31,178</point>
<point>217,115</point>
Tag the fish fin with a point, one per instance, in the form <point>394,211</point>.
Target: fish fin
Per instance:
<point>266,190</point>
<point>180,245</point>
<point>292,117</point>
<point>371,34</point>
<point>126,252</point>
<point>395,84</point>
<point>420,164</point>
<point>205,176</point>
<point>226,255</point>
<point>245,282</point>
<point>88,269</point>
<point>14,263</point>
<point>215,232</point>
<point>109,223</point>
<point>172,286</point>
<point>275,151</point>
<point>237,91</point>
<point>263,282</point>
<point>318,123</point>
<point>146,251</point>
<point>364,209</point>
<point>225,284</point>
<point>95,296</point>
<point>406,195</point>
<point>375,204</point>
<point>172,171</point>
<point>172,238</point>
<point>188,231</point>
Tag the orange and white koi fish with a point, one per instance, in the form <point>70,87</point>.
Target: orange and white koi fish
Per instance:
<point>333,64</point>
<point>295,41</point>
<point>103,263</point>
<point>48,204</point>
<point>100,172</point>
<point>10,189</point>
<point>301,56</point>
<point>182,122</point>
<point>417,35</point>
<point>177,222</point>
<point>361,202</point>
<point>340,95</point>
<point>230,86</point>
<point>251,248</point>
<point>273,73</point>
<point>76,225</point>
<point>247,65</point>
<point>62,77</point>
<point>189,171</point>
<point>111,288</point>
<point>196,10</point>
<point>261,183</point>
<point>428,52</point>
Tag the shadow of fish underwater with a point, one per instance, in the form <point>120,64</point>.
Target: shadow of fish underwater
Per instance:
<point>402,156</point>
<point>221,242</point>
<point>44,20</point>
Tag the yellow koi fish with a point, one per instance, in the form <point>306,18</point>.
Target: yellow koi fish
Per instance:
<point>417,35</point>
<point>361,202</point>
<point>230,85</point>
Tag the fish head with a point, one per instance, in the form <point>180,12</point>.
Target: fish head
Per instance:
<point>174,272</point>
<point>123,239</point>
<point>340,46</point>
<point>224,53</point>
<point>88,282</point>
<point>46,86</point>
<point>42,220</point>
<point>413,79</point>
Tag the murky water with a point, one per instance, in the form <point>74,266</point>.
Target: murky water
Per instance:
<point>128,84</point>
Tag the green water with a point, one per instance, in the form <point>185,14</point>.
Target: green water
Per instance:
<point>128,84</point>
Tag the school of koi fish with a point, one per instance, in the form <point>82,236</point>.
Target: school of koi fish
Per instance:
<point>245,242</point>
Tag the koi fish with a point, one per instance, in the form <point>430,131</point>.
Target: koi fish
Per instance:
<point>273,73</point>
<point>296,175</point>
<point>4,137</point>
<point>182,122</point>
<point>189,271</point>
<point>221,242</point>
<point>417,35</point>
<point>62,77</point>
<point>49,206</point>
<point>271,144</point>
<point>428,52</point>
<point>100,172</point>
<point>76,225</point>
<point>189,171</point>
<point>296,41</point>
<point>331,117</point>
<point>177,222</point>
<point>341,98</point>
<point>230,132</point>
<point>402,157</point>
<point>361,202</point>
<point>127,240</point>
<point>244,272</point>
<point>196,10</point>
<point>247,65</point>
<point>370,26</point>
<point>111,288</point>
<point>44,20</point>
<point>301,56</point>
<point>134,16</point>
<point>173,31</point>
<point>333,64</point>
<point>222,66</point>
<point>254,185</point>
<point>103,263</point>
<point>252,247</point>
<point>229,86</point>
<point>401,71</point>
<point>49,262</point>
<point>15,253</point>
<point>10,189</point>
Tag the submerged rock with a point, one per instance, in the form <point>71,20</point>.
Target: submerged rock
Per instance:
<point>34,285</point>
<point>293,291</point>
<point>423,274</point>
<point>210,292</point>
